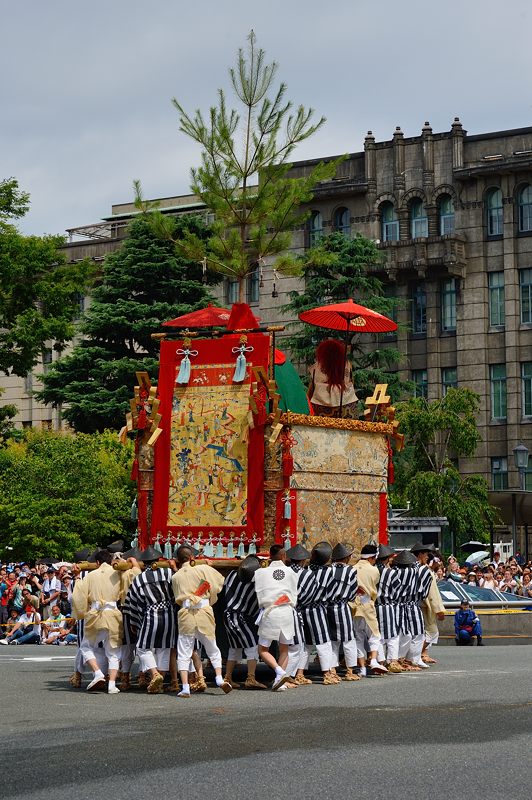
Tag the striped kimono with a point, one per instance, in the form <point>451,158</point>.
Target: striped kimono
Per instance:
<point>241,610</point>
<point>314,612</point>
<point>306,587</point>
<point>342,590</point>
<point>151,608</point>
<point>415,583</point>
<point>388,597</point>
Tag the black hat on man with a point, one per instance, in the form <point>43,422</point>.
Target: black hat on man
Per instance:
<point>133,553</point>
<point>82,555</point>
<point>419,547</point>
<point>341,551</point>
<point>405,559</point>
<point>385,552</point>
<point>297,553</point>
<point>150,554</point>
<point>247,568</point>
<point>321,554</point>
<point>116,547</point>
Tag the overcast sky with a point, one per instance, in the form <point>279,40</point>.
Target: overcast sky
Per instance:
<point>86,87</point>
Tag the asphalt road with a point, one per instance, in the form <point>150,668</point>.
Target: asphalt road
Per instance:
<point>462,729</point>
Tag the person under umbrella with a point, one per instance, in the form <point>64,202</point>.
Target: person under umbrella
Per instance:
<point>331,391</point>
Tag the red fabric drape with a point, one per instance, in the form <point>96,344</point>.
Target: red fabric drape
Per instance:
<point>383,518</point>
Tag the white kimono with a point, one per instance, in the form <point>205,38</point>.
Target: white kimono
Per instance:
<point>274,583</point>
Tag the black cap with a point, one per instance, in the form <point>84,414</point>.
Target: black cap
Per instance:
<point>385,552</point>
<point>92,558</point>
<point>341,551</point>
<point>151,554</point>
<point>247,568</point>
<point>405,559</point>
<point>51,569</point>
<point>116,547</point>
<point>133,553</point>
<point>82,555</point>
<point>419,547</point>
<point>321,553</point>
<point>297,553</point>
<point>369,550</point>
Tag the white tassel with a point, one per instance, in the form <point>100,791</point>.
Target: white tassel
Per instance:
<point>240,369</point>
<point>184,371</point>
<point>287,509</point>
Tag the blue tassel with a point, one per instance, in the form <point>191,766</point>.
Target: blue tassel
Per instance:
<point>184,370</point>
<point>240,369</point>
<point>287,509</point>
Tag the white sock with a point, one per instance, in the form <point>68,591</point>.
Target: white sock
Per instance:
<point>219,680</point>
<point>99,674</point>
<point>112,684</point>
<point>185,689</point>
<point>279,672</point>
<point>363,671</point>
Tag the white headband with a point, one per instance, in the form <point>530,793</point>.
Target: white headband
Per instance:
<point>368,555</point>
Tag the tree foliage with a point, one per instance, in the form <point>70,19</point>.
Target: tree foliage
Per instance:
<point>243,176</point>
<point>334,270</point>
<point>437,433</point>
<point>143,284</point>
<point>60,493</point>
<point>14,203</point>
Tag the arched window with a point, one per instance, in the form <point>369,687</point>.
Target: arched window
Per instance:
<point>446,214</point>
<point>494,212</point>
<point>390,223</point>
<point>419,226</point>
<point>315,228</point>
<point>341,221</point>
<point>525,209</point>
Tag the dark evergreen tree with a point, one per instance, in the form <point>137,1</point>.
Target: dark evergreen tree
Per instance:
<point>336,269</point>
<point>143,284</point>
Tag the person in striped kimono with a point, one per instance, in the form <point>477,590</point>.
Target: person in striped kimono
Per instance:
<point>388,595</point>
<point>415,582</point>
<point>314,613</point>
<point>150,606</point>
<point>342,591</point>
<point>306,584</point>
<point>241,611</point>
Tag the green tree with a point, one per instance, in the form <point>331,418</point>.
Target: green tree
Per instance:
<point>39,291</point>
<point>437,433</point>
<point>60,493</point>
<point>7,413</point>
<point>336,269</point>
<point>143,284</point>
<point>243,177</point>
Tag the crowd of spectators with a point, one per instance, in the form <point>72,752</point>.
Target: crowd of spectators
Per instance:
<point>512,576</point>
<point>35,605</point>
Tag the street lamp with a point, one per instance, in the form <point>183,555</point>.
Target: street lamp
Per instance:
<point>520,452</point>
<point>521,462</point>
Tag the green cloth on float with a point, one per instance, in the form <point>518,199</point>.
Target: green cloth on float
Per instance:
<point>293,393</point>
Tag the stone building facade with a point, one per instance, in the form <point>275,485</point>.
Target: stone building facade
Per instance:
<point>452,216</point>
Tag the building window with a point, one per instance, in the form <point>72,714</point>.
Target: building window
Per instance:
<point>390,223</point>
<point>233,291</point>
<point>419,226</point>
<point>341,222</point>
<point>526,382</point>
<point>496,298</point>
<point>28,383</point>
<point>528,479</point>
<point>46,360</point>
<point>46,424</point>
<point>448,305</point>
<point>419,379</point>
<point>498,391</point>
<point>252,286</point>
<point>26,424</point>
<point>499,473</point>
<point>524,202</point>
<point>525,283</point>
<point>419,310</point>
<point>446,214</point>
<point>494,211</point>
<point>449,379</point>
<point>315,228</point>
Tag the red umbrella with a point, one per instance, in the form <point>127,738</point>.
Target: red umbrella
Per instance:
<point>350,317</point>
<point>209,317</point>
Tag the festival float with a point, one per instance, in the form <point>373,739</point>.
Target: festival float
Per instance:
<point>229,457</point>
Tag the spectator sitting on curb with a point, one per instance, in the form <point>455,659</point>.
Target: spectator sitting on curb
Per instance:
<point>27,629</point>
<point>467,625</point>
<point>53,626</point>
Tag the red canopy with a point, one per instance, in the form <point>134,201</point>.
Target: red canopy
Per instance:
<point>348,316</point>
<point>209,317</point>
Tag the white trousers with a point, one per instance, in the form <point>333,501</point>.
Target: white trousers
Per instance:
<point>325,655</point>
<point>89,649</point>
<point>432,637</point>
<point>127,657</point>
<point>156,658</point>
<point>185,648</point>
<point>235,653</point>
<point>100,659</point>
<point>350,653</point>
<point>364,633</point>
<point>297,658</point>
<point>410,647</point>
<point>390,649</point>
